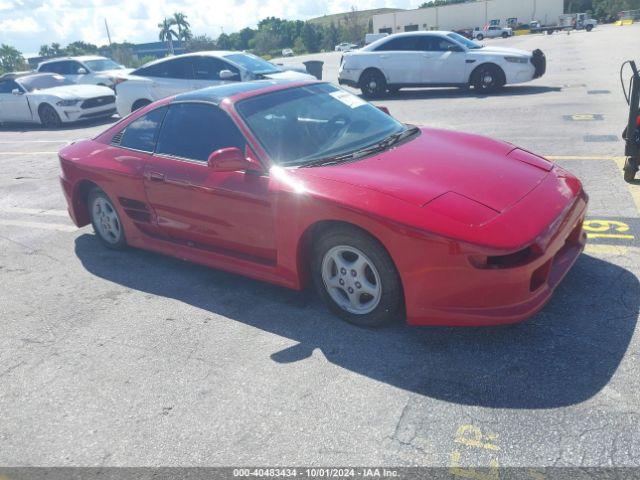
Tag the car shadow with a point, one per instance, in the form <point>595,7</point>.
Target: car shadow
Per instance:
<point>562,356</point>
<point>440,93</point>
<point>27,127</point>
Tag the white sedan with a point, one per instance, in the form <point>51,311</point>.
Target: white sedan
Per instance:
<point>436,59</point>
<point>86,69</point>
<point>192,71</point>
<point>52,100</point>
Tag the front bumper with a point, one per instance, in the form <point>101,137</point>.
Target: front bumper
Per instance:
<point>459,294</point>
<point>76,114</point>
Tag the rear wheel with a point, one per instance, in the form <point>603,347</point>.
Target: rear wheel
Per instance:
<point>49,118</point>
<point>630,169</point>
<point>505,35</point>
<point>373,84</point>
<point>487,78</point>
<point>105,220</point>
<point>480,37</point>
<point>356,278</point>
<point>589,28</point>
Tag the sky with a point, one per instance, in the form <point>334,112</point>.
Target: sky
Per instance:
<point>28,24</point>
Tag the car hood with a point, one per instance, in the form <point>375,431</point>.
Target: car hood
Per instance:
<point>67,92</point>
<point>438,162</point>
<point>290,75</point>
<point>492,50</point>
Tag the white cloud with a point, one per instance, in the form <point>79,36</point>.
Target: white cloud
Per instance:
<point>27,24</point>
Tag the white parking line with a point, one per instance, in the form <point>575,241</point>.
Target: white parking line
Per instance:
<point>39,225</point>
<point>29,153</point>
<point>35,211</point>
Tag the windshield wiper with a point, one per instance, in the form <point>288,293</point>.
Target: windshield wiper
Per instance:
<point>380,146</point>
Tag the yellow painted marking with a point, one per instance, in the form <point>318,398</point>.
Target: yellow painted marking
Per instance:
<point>605,225</point>
<point>597,249</point>
<point>34,211</point>
<point>456,470</point>
<point>536,474</point>
<point>39,225</point>
<point>582,117</point>
<point>471,436</point>
<point>610,235</point>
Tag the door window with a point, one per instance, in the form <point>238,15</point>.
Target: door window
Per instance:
<point>196,130</point>
<point>8,86</point>
<point>180,68</point>
<point>209,68</point>
<point>142,134</point>
<point>435,44</point>
<point>409,43</point>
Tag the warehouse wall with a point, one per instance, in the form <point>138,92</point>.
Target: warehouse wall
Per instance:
<point>470,15</point>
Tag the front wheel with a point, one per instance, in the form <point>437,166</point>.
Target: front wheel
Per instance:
<point>480,37</point>
<point>487,79</point>
<point>505,35</point>
<point>105,220</point>
<point>589,28</point>
<point>49,118</point>
<point>356,278</point>
<point>630,169</point>
<point>373,84</point>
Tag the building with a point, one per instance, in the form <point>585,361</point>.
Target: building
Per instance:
<point>470,15</point>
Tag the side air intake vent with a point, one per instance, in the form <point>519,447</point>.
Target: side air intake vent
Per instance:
<point>117,138</point>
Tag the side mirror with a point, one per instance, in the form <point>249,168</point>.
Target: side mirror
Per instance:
<point>82,71</point>
<point>384,109</point>
<point>227,75</point>
<point>231,160</point>
<point>16,91</point>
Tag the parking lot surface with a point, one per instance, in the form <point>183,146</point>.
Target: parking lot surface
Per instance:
<point>132,358</point>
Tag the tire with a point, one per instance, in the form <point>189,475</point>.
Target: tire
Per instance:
<point>347,261</point>
<point>630,170</point>
<point>549,32</point>
<point>373,84</point>
<point>139,104</point>
<point>487,78</point>
<point>505,35</point>
<point>49,118</point>
<point>588,28</point>
<point>105,220</point>
<point>480,37</point>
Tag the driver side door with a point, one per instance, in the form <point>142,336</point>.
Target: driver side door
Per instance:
<point>226,211</point>
<point>207,72</point>
<point>13,107</point>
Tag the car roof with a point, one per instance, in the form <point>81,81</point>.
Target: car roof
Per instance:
<point>234,91</point>
<point>14,75</point>
<point>34,74</point>
<point>81,58</point>
<point>206,53</point>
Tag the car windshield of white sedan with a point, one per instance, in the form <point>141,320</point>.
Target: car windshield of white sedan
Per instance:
<point>464,41</point>
<point>42,82</point>
<point>303,125</point>
<point>252,63</point>
<point>102,64</point>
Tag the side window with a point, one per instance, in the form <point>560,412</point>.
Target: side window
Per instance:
<point>195,130</point>
<point>181,68</point>
<point>435,44</point>
<point>53,67</point>
<point>208,68</point>
<point>8,86</point>
<point>410,44</point>
<point>142,134</point>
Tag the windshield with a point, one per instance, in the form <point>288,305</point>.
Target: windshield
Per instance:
<point>43,81</point>
<point>464,41</point>
<point>252,63</point>
<point>301,125</point>
<point>102,64</point>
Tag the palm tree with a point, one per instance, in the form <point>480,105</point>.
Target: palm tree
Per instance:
<point>180,20</point>
<point>167,34</point>
<point>10,58</point>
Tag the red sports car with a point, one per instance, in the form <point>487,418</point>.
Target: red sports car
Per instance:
<point>299,182</point>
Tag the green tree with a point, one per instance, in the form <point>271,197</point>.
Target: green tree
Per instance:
<point>11,59</point>
<point>167,33</point>
<point>223,42</point>
<point>81,48</point>
<point>184,28</point>
<point>199,43</point>
<point>311,37</point>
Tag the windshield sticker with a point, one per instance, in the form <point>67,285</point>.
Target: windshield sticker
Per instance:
<point>348,99</point>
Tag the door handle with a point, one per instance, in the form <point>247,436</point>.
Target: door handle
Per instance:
<point>156,176</point>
